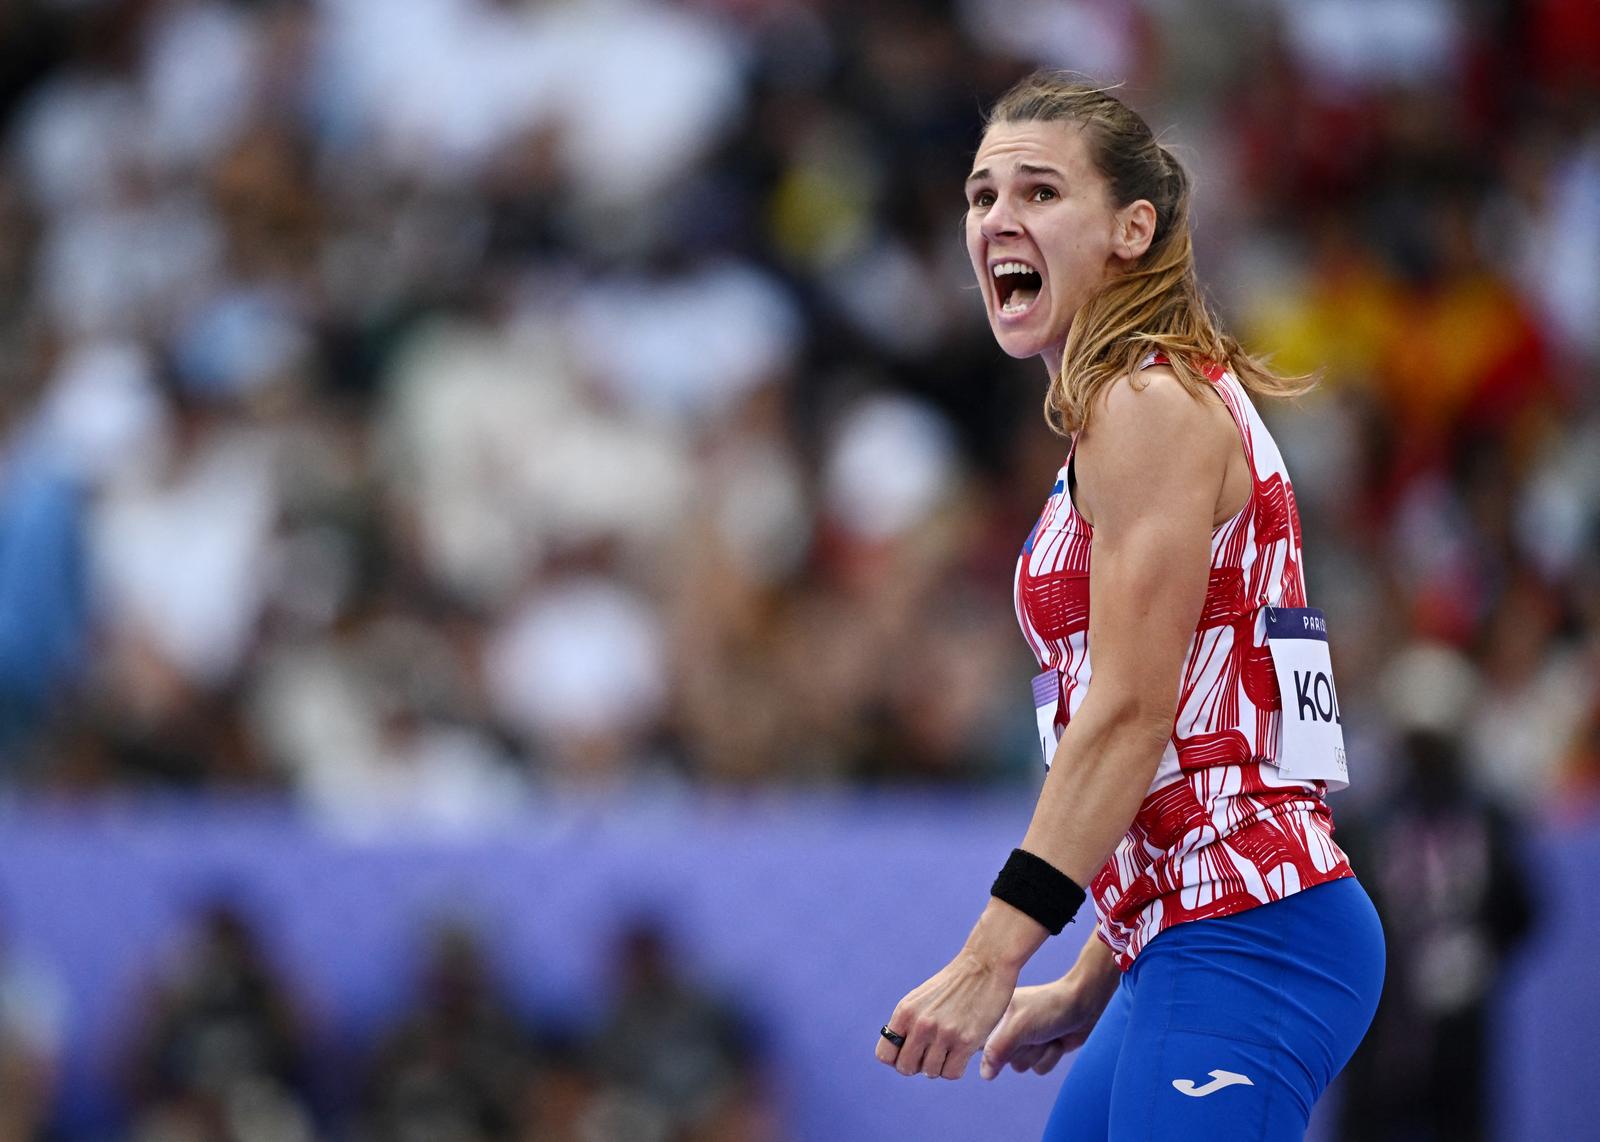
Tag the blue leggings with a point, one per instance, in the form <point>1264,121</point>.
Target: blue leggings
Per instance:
<point>1230,1028</point>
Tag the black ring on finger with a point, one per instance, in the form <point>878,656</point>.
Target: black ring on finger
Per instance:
<point>894,1037</point>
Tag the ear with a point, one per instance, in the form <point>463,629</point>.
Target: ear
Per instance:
<point>1136,229</point>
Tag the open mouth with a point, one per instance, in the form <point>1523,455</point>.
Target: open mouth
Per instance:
<point>1016,286</point>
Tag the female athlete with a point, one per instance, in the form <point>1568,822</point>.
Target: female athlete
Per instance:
<point>1238,962</point>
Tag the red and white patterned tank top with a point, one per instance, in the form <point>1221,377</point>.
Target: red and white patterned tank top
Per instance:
<point>1221,830</point>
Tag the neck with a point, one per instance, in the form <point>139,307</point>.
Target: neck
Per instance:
<point>1052,359</point>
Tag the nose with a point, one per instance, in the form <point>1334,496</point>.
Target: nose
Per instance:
<point>1000,221</point>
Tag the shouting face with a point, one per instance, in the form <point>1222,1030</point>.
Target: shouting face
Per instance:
<point>1042,232</point>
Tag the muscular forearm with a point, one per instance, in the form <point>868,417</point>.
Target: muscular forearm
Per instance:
<point>1103,767</point>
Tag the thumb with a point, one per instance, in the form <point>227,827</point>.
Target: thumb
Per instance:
<point>997,1051</point>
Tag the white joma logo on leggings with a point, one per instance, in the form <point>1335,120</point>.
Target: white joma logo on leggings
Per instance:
<point>1219,1079</point>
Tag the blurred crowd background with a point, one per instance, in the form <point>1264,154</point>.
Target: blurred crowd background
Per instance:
<point>420,406</point>
<point>217,1043</point>
<point>420,409</point>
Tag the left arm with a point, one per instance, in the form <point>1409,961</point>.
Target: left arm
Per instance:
<point>1149,473</point>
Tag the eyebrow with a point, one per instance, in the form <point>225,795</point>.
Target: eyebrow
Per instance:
<point>1023,168</point>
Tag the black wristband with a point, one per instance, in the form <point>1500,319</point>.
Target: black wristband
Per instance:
<point>1037,888</point>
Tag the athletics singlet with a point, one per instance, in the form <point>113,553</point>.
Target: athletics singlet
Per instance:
<point>1220,830</point>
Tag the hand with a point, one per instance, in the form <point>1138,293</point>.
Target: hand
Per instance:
<point>946,1019</point>
<point>1042,1024</point>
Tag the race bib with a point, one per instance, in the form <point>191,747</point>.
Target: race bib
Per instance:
<point>1313,736</point>
<point>1046,699</point>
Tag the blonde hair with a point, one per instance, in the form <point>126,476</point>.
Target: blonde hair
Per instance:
<point>1154,304</point>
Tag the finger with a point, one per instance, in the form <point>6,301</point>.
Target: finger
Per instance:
<point>900,1021</point>
<point>909,1061</point>
<point>955,1064</point>
<point>1072,1042</point>
<point>933,1061</point>
<point>1024,1056</point>
<point>1048,1057</point>
<point>997,1052</point>
<point>886,1051</point>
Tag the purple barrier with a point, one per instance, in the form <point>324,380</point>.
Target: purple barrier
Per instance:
<point>818,913</point>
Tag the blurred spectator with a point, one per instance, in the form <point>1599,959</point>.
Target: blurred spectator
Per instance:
<point>97,411</point>
<point>458,1065</point>
<point>1444,868</point>
<point>32,1016</point>
<point>43,598</point>
<point>581,671</point>
<point>220,1054</point>
<point>1580,787</point>
<point>676,1063</point>
<point>1536,691</point>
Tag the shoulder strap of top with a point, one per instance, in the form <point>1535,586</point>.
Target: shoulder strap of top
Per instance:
<point>1227,387</point>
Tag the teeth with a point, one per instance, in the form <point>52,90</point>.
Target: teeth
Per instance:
<point>1013,303</point>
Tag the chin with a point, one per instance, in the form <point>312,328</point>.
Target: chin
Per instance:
<point>1019,343</point>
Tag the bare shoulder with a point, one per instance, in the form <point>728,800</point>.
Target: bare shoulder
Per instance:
<point>1153,445</point>
<point>1153,413</point>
